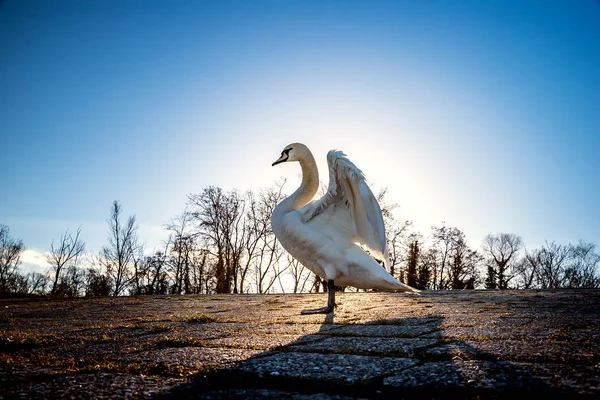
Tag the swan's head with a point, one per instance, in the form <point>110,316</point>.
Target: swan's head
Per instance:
<point>293,152</point>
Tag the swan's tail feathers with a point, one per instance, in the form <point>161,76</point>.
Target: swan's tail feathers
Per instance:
<point>394,285</point>
<point>408,289</point>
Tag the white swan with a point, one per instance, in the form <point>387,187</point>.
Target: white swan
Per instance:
<point>326,235</point>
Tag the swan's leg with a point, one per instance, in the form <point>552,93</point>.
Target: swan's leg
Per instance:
<point>331,295</point>
<point>330,301</point>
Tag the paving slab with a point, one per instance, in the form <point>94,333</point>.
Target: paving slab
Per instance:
<point>364,345</point>
<point>338,368</point>
<point>470,344</point>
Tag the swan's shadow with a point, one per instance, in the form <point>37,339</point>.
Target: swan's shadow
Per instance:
<point>405,357</point>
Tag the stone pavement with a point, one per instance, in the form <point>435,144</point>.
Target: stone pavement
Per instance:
<point>471,344</point>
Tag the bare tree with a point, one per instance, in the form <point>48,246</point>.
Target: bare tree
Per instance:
<point>119,255</point>
<point>140,276</point>
<point>526,270</point>
<point>398,237</point>
<point>300,275</point>
<point>220,221</point>
<point>65,253</point>
<point>584,269</point>
<point>502,251</point>
<point>159,283</point>
<point>557,266</point>
<point>267,266</point>
<point>72,282</point>
<point>427,262</point>
<point>18,283</point>
<point>37,283</point>
<point>545,267</point>
<point>552,260</point>
<point>10,256</point>
<point>97,283</point>
<point>235,237</point>
<point>397,232</point>
<point>414,253</point>
<point>464,263</point>
<point>256,226</point>
<point>456,265</point>
<point>442,244</point>
<point>200,272</point>
<point>262,250</point>
<point>181,251</point>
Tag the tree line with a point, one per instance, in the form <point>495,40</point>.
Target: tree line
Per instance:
<point>223,243</point>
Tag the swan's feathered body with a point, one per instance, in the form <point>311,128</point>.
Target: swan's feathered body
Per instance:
<point>330,235</point>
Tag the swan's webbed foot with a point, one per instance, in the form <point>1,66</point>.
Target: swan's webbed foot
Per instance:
<point>330,302</point>
<point>323,310</point>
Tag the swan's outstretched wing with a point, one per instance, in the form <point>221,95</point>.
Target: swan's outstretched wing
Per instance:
<point>350,207</point>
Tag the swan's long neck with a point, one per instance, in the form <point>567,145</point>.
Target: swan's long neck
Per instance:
<point>309,186</point>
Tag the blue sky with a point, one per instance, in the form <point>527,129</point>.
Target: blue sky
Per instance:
<point>483,114</point>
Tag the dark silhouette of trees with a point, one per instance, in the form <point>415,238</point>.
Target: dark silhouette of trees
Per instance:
<point>561,266</point>
<point>181,253</point>
<point>219,217</point>
<point>503,255</point>
<point>491,280</point>
<point>201,273</point>
<point>550,264</point>
<point>118,256</point>
<point>10,255</point>
<point>454,264</point>
<point>223,243</point>
<point>413,258</point>
<point>464,262</point>
<point>257,227</point>
<point>150,274</point>
<point>442,243</point>
<point>36,283</point>
<point>66,253</point>
<point>397,233</point>
<point>97,283</point>
<point>444,262</point>
<point>583,270</point>
<point>72,282</point>
<point>424,271</point>
<point>266,258</point>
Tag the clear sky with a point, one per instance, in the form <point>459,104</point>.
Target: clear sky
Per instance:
<point>483,114</point>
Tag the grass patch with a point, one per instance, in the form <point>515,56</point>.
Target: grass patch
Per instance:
<point>163,329</point>
<point>15,341</point>
<point>71,365</point>
<point>162,369</point>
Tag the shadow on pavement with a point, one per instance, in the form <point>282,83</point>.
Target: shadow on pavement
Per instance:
<point>397,358</point>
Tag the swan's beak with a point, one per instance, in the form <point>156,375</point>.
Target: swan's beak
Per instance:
<point>281,159</point>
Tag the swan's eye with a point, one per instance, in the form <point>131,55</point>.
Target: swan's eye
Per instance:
<point>287,152</point>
